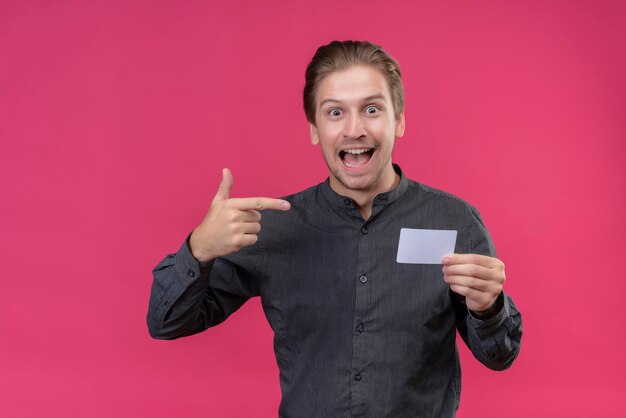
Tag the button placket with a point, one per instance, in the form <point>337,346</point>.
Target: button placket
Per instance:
<point>360,358</point>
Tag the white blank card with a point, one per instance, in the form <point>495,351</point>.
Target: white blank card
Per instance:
<point>425,246</point>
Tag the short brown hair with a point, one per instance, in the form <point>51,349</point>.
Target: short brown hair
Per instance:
<point>340,55</point>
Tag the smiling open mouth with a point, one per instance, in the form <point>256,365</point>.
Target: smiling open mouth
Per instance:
<point>356,157</point>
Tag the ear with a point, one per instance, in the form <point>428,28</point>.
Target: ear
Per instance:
<point>314,138</point>
<point>400,125</point>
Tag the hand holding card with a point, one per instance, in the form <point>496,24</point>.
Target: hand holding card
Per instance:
<point>477,277</point>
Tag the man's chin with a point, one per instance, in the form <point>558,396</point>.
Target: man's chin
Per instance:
<point>354,183</point>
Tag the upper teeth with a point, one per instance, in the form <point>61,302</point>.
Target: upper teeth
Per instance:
<point>357,151</point>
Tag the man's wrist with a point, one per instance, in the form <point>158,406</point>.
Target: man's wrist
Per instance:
<point>491,311</point>
<point>200,256</point>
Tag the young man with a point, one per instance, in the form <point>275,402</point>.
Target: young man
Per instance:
<point>356,332</point>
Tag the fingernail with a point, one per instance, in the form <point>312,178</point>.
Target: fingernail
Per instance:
<point>446,260</point>
<point>285,205</point>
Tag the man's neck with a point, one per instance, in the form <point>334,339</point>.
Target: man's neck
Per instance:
<point>364,199</point>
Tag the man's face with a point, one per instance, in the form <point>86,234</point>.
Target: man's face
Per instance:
<point>356,127</point>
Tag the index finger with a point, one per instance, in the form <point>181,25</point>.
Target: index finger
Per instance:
<point>259,203</point>
<point>478,259</point>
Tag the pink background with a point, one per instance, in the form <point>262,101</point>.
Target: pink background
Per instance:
<point>116,119</point>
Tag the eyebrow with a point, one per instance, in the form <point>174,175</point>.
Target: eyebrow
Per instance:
<point>366,99</point>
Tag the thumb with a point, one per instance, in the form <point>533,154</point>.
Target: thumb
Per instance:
<point>226,185</point>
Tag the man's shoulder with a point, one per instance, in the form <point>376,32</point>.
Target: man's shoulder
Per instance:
<point>308,194</point>
<point>428,194</point>
<point>302,202</point>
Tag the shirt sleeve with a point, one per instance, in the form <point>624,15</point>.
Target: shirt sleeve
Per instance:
<point>494,340</point>
<point>188,297</point>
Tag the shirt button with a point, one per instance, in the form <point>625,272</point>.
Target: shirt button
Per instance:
<point>358,377</point>
<point>363,279</point>
<point>347,201</point>
<point>364,230</point>
<point>191,273</point>
<point>360,327</point>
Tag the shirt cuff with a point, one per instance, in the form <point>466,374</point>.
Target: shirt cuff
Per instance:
<point>486,326</point>
<point>187,266</point>
<point>496,308</point>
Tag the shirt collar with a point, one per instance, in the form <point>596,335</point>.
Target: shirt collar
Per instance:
<point>382,199</point>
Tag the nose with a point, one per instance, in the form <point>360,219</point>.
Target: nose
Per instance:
<point>355,128</point>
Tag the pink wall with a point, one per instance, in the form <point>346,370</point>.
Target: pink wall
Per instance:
<point>116,119</point>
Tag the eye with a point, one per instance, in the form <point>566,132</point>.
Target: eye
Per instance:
<point>334,112</point>
<point>370,110</point>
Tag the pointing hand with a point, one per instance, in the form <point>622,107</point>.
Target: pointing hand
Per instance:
<point>230,224</point>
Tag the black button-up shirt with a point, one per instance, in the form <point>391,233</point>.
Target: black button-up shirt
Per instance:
<point>355,332</point>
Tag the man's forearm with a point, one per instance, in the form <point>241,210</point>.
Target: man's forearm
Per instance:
<point>495,341</point>
<point>176,299</point>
